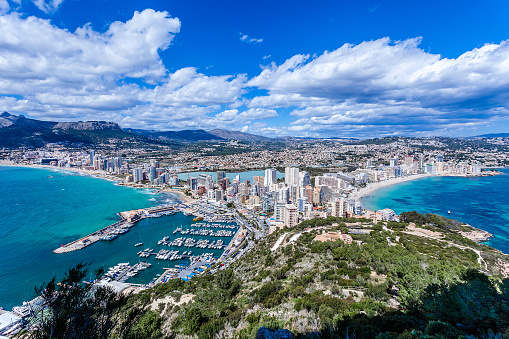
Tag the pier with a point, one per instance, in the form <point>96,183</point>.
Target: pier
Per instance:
<point>128,218</point>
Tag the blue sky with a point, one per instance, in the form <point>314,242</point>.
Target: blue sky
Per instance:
<point>327,68</point>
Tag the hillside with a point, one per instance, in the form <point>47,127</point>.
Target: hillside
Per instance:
<point>184,135</point>
<point>236,135</point>
<point>18,131</point>
<point>398,280</point>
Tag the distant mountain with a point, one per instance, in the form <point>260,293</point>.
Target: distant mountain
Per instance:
<point>499,135</point>
<point>185,135</point>
<point>236,135</point>
<point>7,119</point>
<point>88,126</point>
<point>18,131</point>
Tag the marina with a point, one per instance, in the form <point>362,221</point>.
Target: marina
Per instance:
<point>136,229</point>
<point>129,218</point>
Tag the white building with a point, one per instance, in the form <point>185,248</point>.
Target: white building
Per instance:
<point>338,207</point>
<point>291,176</point>
<point>137,174</point>
<point>388,214</point>
<point>290,215</point>
<point>270,177</point>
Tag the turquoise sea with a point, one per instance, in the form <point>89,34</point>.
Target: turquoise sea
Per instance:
<point>43,209</point>
<point>482,202</point>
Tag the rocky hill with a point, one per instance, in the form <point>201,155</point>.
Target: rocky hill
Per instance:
<point>184,135</point>
<point>18,131</point>
<point>7,119</point>
<point>419,278</point>
<point>88,126</point>
<point>236,135</point>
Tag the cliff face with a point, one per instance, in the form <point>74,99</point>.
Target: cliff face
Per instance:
<point>7,119</point>
<point>88,126</point>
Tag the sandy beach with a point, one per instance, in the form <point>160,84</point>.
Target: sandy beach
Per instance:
<point>372,187</point>
<point>101,175</point>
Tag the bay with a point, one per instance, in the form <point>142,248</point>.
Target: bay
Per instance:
<point>43,209</point>
<point>482,202</point>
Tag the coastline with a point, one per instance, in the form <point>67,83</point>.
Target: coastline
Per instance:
<point>371,188</point>
<point>98,175</point>
<point>374,186</point>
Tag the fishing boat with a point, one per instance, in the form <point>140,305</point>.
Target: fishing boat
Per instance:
<point>138,244</point>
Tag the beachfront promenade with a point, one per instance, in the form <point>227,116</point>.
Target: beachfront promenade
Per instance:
<point>128,218</point>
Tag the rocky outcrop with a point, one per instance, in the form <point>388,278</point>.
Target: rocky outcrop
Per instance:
<point>7,119</point>
<point>88,126</point>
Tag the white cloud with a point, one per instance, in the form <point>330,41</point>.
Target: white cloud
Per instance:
<point>246,38</point>
<point>48,6</point>
<point>258,113</point>
<point>386,86</point>
<point>4,7</point>
<point>374,88</point>
<point>186,86</point>
<point>38,56</point>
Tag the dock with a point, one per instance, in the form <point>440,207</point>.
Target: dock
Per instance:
<point>128,217</point>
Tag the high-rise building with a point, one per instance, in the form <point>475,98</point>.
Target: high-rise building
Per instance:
<point>92,154</point>
<point>308,193</point>
<point>338,207</point>
<point>224,183</point>
<point>317,195</point>
<point>137,174</point>
<point>243,189</point>
<point>267,202</point>
<point>284,195</point>
<point>219,195</point>
<point>270,177</point>
<point>409,161</point>
<point>393,162</point>
<point>358,208</point>
<point>440,158</point>
<point>258,179</point>
<point>291,176</point>
<point>255,189</point>
<point>290,215</point>
<point>152,173</point>
<point>421,161</point>
<point>221,175</point>
<point>193,183</point>
<point>304,179</point>
<point>302,202</point>
<point>279,210</point>
<point>206,181</point>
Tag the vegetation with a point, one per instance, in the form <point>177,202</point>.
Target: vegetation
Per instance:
<point>389,283</point>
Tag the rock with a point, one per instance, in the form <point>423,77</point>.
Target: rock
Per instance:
<point>265,333</point>
<point>88,126</point>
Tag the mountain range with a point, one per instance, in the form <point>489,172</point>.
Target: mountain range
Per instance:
<point>17,130</point>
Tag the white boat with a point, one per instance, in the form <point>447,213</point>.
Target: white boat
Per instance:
<point>138,244</point>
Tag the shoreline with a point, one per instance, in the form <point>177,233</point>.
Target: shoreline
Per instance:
<point>371,188</point>
<point>96,175</point>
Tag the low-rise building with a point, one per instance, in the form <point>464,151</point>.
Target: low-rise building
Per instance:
<point>333,236</point>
